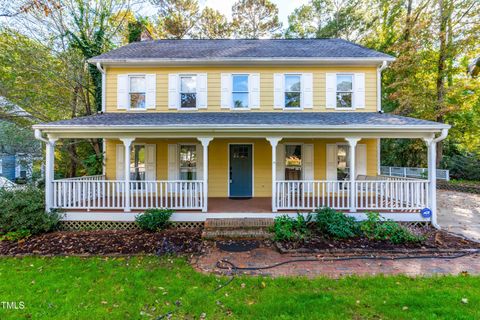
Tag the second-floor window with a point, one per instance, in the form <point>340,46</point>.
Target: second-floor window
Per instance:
<point>240,91</point>
<point>137,92</point>
<point>188,92</point>
<point>293,91</point>
<point>344,91</point>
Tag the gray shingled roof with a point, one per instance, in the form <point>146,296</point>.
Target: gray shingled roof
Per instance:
<point>240,49</point>
<point>244,119</point>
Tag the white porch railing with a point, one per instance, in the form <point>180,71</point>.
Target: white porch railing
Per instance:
<point>312,194</point>
<point>87,178</point>
<point>391,195</point>
<point>110,194</point>
<point>442,174</point>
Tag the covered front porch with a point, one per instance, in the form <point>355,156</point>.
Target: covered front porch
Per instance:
<point>282,179</point>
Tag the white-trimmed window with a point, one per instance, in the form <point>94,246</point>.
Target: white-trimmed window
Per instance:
<point>344,91</point>
<point>293,162</point>
<point>188,91</point>
<point>188,162</point>
<point>343,162</point>
<point>240,93</point>
<point>293,91</point>
<point>137,162</point>
<point>137,91</point>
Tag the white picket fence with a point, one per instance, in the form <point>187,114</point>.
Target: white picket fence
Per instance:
<point>111,194</point>
<point>409,172</point>
<point>389,195</point>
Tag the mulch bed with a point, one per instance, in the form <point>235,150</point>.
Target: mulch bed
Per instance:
<point>107,242</point>
<point>436,240</point>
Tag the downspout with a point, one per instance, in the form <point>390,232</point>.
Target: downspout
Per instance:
<point>102,71</point>
<point>379,85</point>
<point>38,136</point>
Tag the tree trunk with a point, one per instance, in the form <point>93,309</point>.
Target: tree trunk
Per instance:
<point>444,17</point>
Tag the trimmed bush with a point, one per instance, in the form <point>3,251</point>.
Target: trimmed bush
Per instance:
<point>23,210</point>
<point>335,224</point>
<point>376,228</point>
<point>154,219</point>
<point>286,228</point>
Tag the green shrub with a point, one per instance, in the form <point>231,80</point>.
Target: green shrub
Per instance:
<point>376,228</point>
<point>335,224</point>
<point>15,235</point>
<point>286,228</point>
<point>154,219</point>
<point>24,210</point>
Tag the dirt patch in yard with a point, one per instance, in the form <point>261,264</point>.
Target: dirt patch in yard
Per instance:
<point>434,240</point>
<point>107,242</point>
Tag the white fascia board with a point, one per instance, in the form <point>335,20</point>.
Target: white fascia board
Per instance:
<point>222,127</point>
<point>245,61</point>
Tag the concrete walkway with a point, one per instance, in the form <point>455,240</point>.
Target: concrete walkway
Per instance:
<point>459,212</point>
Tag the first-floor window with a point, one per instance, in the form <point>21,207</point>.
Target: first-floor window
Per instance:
<point>137,162</point>
<point>293,89</point>
<point>293,162</point>
<point>188,162</point>
<point>137,92</point>
<point>343,154</point>
<point>188,92</point>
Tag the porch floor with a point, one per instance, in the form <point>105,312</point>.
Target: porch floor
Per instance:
<point>224,205</point>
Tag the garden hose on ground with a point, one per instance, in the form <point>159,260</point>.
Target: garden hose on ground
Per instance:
<point>228,265</point>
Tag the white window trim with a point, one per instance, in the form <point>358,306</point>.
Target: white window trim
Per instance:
<point>179,97</point>
<point>179,160</point>
<point>285,91</point>
<point>303,163</point>
<point>232,106</point>
<point>131,75</point>
<point>353,90</point>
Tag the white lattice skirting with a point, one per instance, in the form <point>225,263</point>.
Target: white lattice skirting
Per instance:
<point>119,225</point>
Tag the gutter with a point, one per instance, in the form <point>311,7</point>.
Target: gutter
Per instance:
<point>38,136</point>
<point>379,84</point>
<point>102,71</point>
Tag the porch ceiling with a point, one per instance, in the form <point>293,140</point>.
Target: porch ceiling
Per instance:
<point>243,124</point>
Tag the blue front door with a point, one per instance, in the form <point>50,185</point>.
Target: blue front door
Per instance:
<point>240,170</point>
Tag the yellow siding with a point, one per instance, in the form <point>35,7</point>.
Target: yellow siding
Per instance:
<point>266,85</point>
<point>218,161</point>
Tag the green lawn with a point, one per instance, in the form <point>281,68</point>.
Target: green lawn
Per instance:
<point>146,287</point>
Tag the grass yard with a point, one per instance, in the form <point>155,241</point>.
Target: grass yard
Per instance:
<point>147,287</point>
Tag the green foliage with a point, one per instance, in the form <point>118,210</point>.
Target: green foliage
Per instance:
<point>463,166</point>
<point>375,228</point>
<point>336,224</point>
<point>154,219</point>
<point>24,210</point>
<point>15,235</point>
<point>254,19</point>
<point>286,228</point>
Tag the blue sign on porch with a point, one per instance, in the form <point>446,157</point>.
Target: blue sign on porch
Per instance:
<point>426,213</point>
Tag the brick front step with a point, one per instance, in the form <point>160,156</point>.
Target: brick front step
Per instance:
<point>243,228</point>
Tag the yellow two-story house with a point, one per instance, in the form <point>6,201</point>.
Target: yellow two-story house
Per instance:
<point>241,128</point>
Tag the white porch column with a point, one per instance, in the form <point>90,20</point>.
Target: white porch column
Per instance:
<point>127,143</point>
<point>352,142</point>
<point>205,141</point>
<point>432,177</point>
<point>274,142</point>
<point>49,172</point>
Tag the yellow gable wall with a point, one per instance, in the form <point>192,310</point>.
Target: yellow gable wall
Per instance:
<point>266,85</point>
<point>218,161</point>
